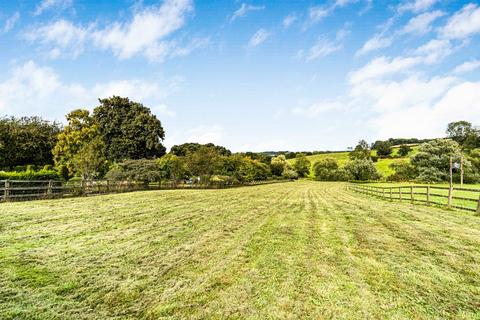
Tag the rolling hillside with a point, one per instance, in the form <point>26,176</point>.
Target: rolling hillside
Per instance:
<point>383,165</point>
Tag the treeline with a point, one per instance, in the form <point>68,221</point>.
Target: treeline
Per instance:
<point>122,140</point>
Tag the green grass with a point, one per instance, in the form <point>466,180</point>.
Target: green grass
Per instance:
<point>474,195</point>
<point>300,250</point>
<point>382,165</point>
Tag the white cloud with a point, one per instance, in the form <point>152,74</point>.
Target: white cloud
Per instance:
<point>374,43</point>
<point>10,23</point>
<point>146,32</point>
<point>258,38</point>
<point>49,4</point>
<point>289,20</point>
<point>322,49</point>
<point>464,23</point>
<point>383,66</point>
<point>31,90</point>
<point>435,50</point>
<point>467,66</point>
<point>416,5</point>
<point>421,24</point>
<point>60,38</point>
<point>243,10</point>
<point>429,120</point>
<point>318,13</point>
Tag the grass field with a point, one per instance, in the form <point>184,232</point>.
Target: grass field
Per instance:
<point>382,165</point>
<point>299,250</point>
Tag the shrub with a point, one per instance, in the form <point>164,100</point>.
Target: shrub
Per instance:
<point>404,150</point>
<point>172,167</point>
<point>253,170</point>
<point>404,171</point>
<point>302,165</point>
<point>135,170</point>
<point>326,169</point>
<point>362,170</point>
<point>290,174</point>
<point>384,148</point>
<point>31,175</point>
<point>278,165</point>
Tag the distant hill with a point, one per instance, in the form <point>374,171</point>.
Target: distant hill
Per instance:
<point>382,165</point>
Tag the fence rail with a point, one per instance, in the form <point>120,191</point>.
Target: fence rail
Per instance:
<point>459,198</point>
<point>13,190</point>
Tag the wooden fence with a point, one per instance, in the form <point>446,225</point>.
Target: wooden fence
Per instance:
<point>15,190</point>
<point>459,198</point>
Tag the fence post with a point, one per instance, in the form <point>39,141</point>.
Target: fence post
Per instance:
<point>478,206</point>
<point>49,190</point>
<point>450,195</point>
<point>428,195</point>
<point>6,194</point>
<point>400,193</point>
<point>411,194</point>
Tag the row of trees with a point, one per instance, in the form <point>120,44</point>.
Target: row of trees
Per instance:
<point>207,163</point>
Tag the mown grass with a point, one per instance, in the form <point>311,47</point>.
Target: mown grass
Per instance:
<point>295,250</point>
<point>382,165</point>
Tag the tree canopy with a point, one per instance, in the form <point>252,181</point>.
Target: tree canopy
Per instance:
<point>27,141</point>
<point>128,129</point>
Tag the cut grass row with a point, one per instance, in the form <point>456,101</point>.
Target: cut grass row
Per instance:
<point>296,250</point>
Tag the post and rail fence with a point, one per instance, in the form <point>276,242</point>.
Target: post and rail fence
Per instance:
<point>16,190</point>
<point>458,198</point>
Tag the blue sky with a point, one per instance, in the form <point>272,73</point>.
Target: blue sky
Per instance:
<point>253,75</point>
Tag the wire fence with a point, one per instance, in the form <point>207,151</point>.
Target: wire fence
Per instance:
<point>22,190</point>
<point>459,198</point>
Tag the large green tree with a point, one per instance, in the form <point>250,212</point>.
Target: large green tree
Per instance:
<point>302,165</point>
<point>27,140</point>
<point>129,130</point>
<point>432,162</point>
<point>464,134</point>
<point>361,151</point>
<point>78,143</point>
<point>182,150</point>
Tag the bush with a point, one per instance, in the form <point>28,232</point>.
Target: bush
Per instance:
<point>404,150</point>
<point>290,174</point>
<point>30,175</point>
<point>362,170</point>
<point>325,169</point>
<point>302,165</point>
<point>278,165</point>
<point>135,170</point>
<point>404,171</point>
<point>253,170</point>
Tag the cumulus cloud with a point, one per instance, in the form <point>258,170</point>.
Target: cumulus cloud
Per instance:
<point>31,89</point>
<point>464,23</point>
<point>60,38</point>
<point>244,10</point>
<point>258,38</point>
<point>148,33</point>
